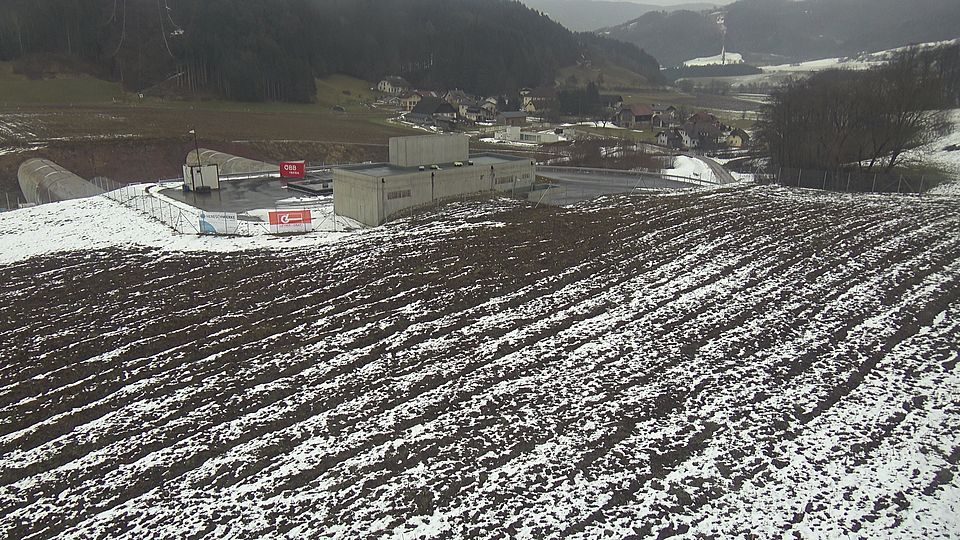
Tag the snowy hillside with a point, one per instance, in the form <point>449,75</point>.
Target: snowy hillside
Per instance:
<point>862,61</point>
<point>741,362</point>
<point>944,154</point>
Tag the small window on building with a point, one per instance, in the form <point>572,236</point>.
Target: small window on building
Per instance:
<point>403,193</point>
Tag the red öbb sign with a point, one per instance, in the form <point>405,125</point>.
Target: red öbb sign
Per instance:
<point>293,169</point>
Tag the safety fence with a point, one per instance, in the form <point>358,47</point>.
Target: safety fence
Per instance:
<point>854,181</point>
<point>643,178</point>
<point>11,201</point>
<point>185,219</point>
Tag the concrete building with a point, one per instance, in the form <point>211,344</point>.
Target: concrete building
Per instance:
<point>428,150</point>
<point>516,134</point>
<point>424,170</point>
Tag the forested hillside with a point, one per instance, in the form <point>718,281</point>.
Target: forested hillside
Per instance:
<point>273,49</point>
<point>672,37</point>
<point>797,30</point>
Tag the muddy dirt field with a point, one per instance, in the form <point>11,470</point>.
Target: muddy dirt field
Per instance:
<point>749,362</point>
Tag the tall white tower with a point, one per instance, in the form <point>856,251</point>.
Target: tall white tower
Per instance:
<point>723,40</point>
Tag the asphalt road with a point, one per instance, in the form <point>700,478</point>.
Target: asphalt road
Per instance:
<point>719,171</point>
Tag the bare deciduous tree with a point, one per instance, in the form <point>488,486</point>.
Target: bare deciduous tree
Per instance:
<point>867,119</point>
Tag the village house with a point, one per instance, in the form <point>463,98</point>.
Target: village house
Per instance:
<point>539,100</point>
<point>630,116</point>
<point>664,116</point>
<point>611,102</point>
<point>393,85</point>
<point>489,107</point>
<point>512,118</point>
<point>738,138</point>
<point>409,100</point>
<point>471,112</point>
<point>458,97</point>
<point>433,111</point>
<point>703,117</point>
<point>670,110</point>
<point>670,138</point>
<point>704,135</point>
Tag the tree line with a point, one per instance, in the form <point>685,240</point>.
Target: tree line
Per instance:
<point>259,50</point>
<point>865,120</point>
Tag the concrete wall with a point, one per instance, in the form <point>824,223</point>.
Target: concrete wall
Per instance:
<point>428,150</point>
<point>357,196</point>
<point>43,181</point>
<point>230,164</point>
<point>374,200</point>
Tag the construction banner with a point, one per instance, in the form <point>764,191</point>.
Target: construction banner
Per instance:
<point>291,221</point>
<point>218,223</point>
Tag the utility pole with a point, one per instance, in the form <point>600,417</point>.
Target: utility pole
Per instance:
<point>196,145</point>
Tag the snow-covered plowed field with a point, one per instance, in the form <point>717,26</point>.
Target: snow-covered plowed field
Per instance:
<point>744,362</point>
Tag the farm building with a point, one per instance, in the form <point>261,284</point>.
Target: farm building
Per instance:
<point>512,118</point>
<point>423,170</point>
<point>630,116</point>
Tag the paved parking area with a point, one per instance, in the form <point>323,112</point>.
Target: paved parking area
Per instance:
<point>239,195</point>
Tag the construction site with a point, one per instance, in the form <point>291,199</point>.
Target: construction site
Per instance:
<point>220,193</point>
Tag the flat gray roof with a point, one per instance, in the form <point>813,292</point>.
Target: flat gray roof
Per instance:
<point>386,169</point>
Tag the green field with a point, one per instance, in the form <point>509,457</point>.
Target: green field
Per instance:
<point>352,94</point>
<point>19,90</point>
<point>344,91</point>
<point>612,77</point>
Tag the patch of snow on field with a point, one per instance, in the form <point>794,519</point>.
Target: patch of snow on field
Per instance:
<point>689,167</point>
<point>519,144</point>
<point>823,64</point>
<point>944,154</point>
<point>717,60</point>
<point>17,126</point>
<point>595,124</point>
<point>4,150</point>
<point>99,223</point>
